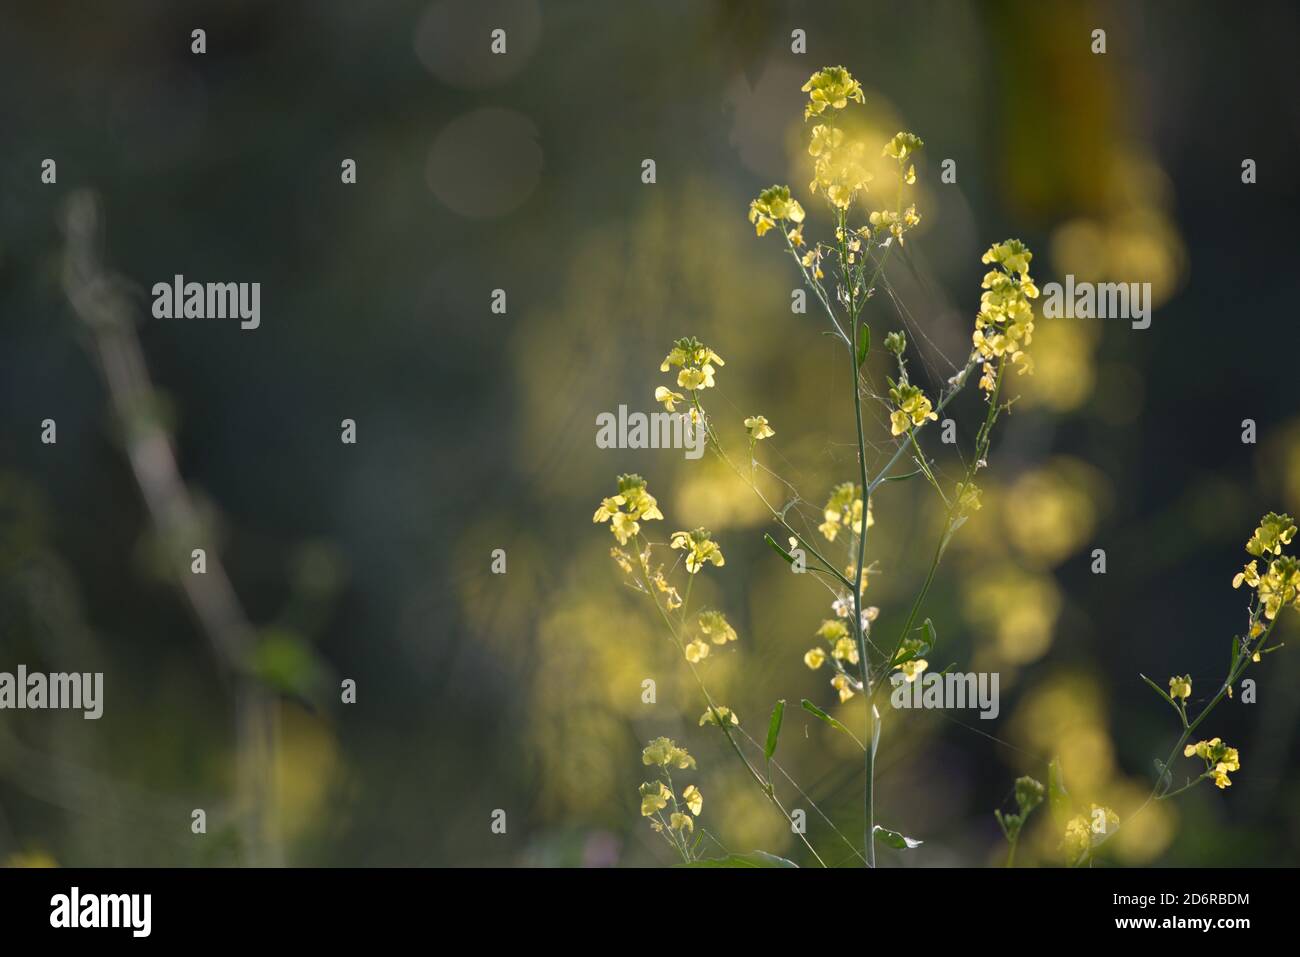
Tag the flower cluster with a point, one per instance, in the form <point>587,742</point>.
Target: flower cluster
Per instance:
<point>627,509</point>
<point>839,167</point>
<point>700,548</point>
<point>1279,584</point>
<point>772,206</point>
<point>697,363</point>
<point>713,626</point>
<point>844,510</point>
<point>830,87</point>
<point>656,796</point>
<point>1086,831</point>
<point>1218,757</point>
<point>1005,324</point>
<point>912,408</point>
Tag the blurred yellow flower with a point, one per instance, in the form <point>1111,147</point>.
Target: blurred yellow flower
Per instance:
<point>654,797</point>
<point>664,752</point>
<point>693,799</point>
<point>841,684</point>
<point>628,508</point>
<point>830,87</point>
<point>714,624</point>
<point>758,427</point>
<point>814,658</point>
<point>699,547</point>
<point>726,714</point>
<point>697,651</point>
<point>668,397</point>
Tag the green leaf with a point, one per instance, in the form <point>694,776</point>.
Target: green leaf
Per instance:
<point>778,549</point>
<point>864,343</point>
<point>774,729</point>
<point>818,712</point>
<point>896,840</point>
<point>753,859</point>
<point>930,634</point>
<point>1058,798</point>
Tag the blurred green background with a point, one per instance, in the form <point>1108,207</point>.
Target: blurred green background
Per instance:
<point>371,562</point>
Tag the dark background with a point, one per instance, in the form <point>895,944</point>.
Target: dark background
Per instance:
<point>371,562</point>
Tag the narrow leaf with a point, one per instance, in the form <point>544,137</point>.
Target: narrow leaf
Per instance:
<point>818,712</point>
<point>896,840</point>
<point>778,549</point>
<point>864,343</point>
<point>774,729</point>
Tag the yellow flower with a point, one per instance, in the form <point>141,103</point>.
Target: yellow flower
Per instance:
<point>814,658</point>
<point>902,146</point>
<point>654,797</point>
<point>697,361</point>
<point>728,716</point>
<point>841,684</point>
<point>693,799</point>
<point>1274,531</point>
<point>833,87</point>
<point>912,669</point>
<point>1085,831</point>
<point>841,171</point>
<point>1180,687</point>
<point>696,651</point>
<point>844,509</point>
<point>681,822</point>
<point>715,625</point>
<point>700,548</point>
<point>758,427</point>
<point>913,408</point>
<point>845,649</point>
<point>664,752</point>
<point>1249,574</point>
<point>668,397</point>
<point>1005,323</point>
<point>1218,757</point>
<point>772,205</point>
<point>632,505</point>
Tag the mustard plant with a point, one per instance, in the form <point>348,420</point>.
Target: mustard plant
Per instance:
<point>842,271</point>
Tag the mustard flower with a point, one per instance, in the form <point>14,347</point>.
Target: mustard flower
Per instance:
<point>628,508</point>
<point>902,146</point>
<point>693,799</point>
<point>846,649</point>
<point>700,548</point>
<point>830,87</point>
<point>654,797</point>
<point>774,205</point>
<point>814,658</point>
<point>912,408</point>
<point>1219,760</point>
<point>842,684</point>
<point>715,625</point>
<point>681,822</point>
<point>1180,687</point>
<point>1005,323</point>
<point>1274,531</point>
<point>697,363</point>
<point>664,753</point>
<point>1278,586</point>
<point>844,509</point>
<point>728,717</point>
<point>841,172</point>
<point>697,651</point>
<point>912,669</point>
<point>668,397</point>
<point>1085,831</point>
<point>758,427</point>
